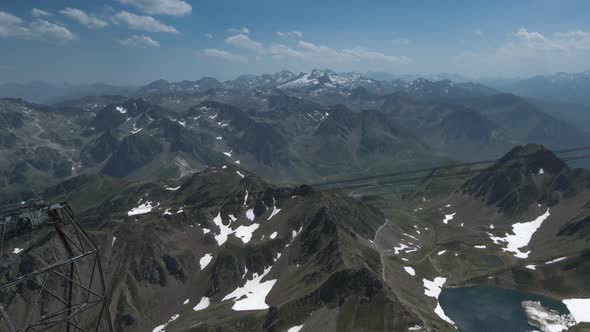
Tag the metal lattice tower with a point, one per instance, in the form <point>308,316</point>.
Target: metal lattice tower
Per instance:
<point>51,277</point>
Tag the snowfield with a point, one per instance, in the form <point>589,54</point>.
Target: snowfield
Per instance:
<point>433,289</point>
<point>141,209</point>
<point>252,295</point>
<point>523,232</point>
<point>579,308</point>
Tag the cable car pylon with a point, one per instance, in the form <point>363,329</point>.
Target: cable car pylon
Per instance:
<point>51,276</point>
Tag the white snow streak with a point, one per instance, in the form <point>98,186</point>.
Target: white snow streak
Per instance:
<point>205,260</point>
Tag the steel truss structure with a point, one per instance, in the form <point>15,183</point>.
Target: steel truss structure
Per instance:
<point>64,290</point>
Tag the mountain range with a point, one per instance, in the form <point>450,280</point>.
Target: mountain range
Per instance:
<point>207,202</point>
<point>222,249</point>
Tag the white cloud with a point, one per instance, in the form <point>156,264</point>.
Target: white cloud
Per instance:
<point>139,41</point>
<point>89,21</point>
<point>243,41</point>
<point>294,33</point>
<point>281,51</point>
<point>478,32</point>
<point>239,30</point>
<point>224,55</point>
<point>324,55</point>
<point>208,36</point>
<point>161,7</point>
<point>13,26</point>
<point>363,54</point>
<point>527,52</point>
<point>36,12</point>
<point>51,32</point>
<point>142,23</point>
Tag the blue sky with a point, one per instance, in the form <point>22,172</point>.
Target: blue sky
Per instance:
<point>137,41</point>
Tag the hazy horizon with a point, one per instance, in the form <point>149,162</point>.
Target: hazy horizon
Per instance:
<point>368,73</point>
<point>127,42</point>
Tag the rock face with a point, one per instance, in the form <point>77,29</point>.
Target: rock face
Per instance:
<point>318,259</point>
<point>512,182</point>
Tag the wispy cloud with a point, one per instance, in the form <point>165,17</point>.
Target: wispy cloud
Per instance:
<point>208,36</point>
<point>222,54</point>
<point>39,29</point>
<point>139,42</point>
<point>142,23</point>
<point>243,41</point>
<point>320,54</point>
<point>36,12</point>
<point>161,7</point>
<point>243,30</point>
<point>89,21</point>
<point>294,33</point>
<point>526,51</point>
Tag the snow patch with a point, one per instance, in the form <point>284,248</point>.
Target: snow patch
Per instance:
<point>205,260</point>
<point>274,212</point>
<point>250,214</point>
<point>224,231</point>
<point>121,110</point>
<point>273,235</point>
<point>480,246</point>
<point>142,208</point>
<point>433,289</point>
<point>252,295</point>
<point>203,304</point>
<point>523,232</point>
<point>162,328</point>
<point>172,189</point>
<point>113,242</point>
<point>448,217</point>
<point>240,174</point>
<point>410,270</point>
<point>245,232</point>
<point>16,251</point>
<point>579,309</point>
<point>295,328</point>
